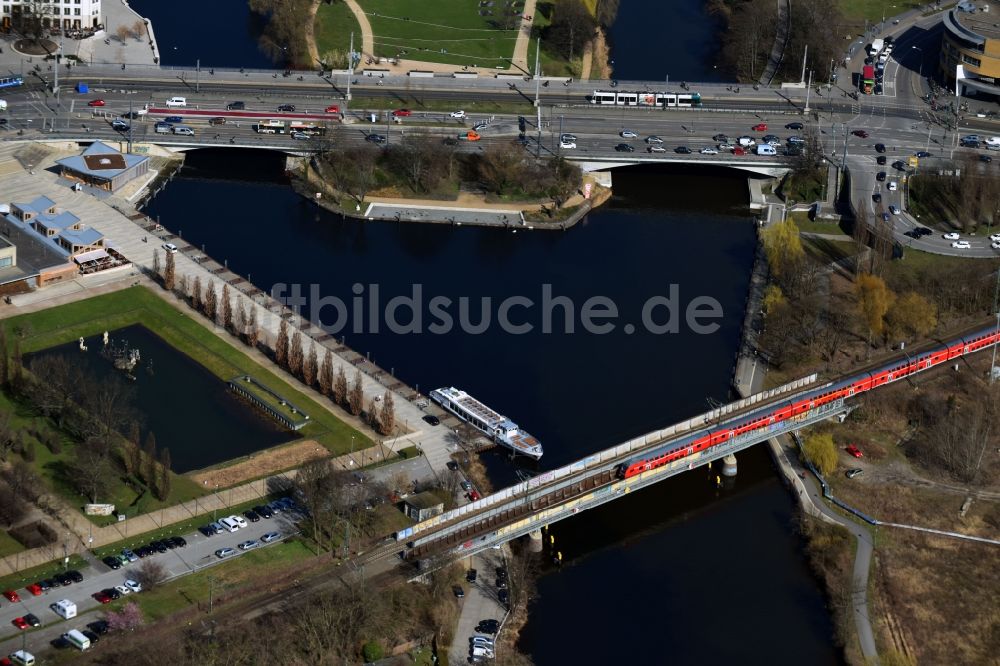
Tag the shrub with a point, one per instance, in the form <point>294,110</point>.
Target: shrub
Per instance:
<point>372,651</point>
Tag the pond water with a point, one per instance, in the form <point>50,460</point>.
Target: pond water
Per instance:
<point>187,408</point>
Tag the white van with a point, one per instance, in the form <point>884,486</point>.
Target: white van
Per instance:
<point>479,651</point>
<point>230,524</point>
<point>993,143</point>
<point>77,639</point>
<point>746,141</point>
<point>177,101</point>
<point>766,149</point>
<point>23,658</point>
<point>183,129</point>
<point>64,608</point>
<point>162,128</point>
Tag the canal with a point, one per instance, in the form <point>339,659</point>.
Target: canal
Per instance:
<point>681,571</point>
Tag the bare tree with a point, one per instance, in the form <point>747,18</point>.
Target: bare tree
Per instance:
<point>227,308</point>
<point>253,329</point>
<point>196,294</point>
<point>326,374</point>
<point>211,304</point>
<point>295,359</point>
<point>281,345</point>
<point>340,387</point>
<point>309,366</point>
<point>150,573</point>
<point>355,400</point>
<point>387,419</point>
<point>169,272</point>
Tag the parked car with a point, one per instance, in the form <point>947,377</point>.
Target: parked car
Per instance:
<point>223,553</point>
<point>432,420</point>
<point>32,620</point>
<point>252,516</point>
<point>133,585</point>
<point>129,555</point>
<point>91,636</point>
<point>122,590</point>
<point>503,597</point>
<point>179,542</point>
<point>471,575</point>
<point>113,593</point>
<point>99,627</point>
<point>879,147</point>
<point>249,544</point>
<point>270,536</point>
<point>466,486</point>
<point>112,562</point>
<point>102,597</point>
<point>892,186</point>
<point>854,451</point>
<point>75,576</point>
<point>35,589</point>
<point>20,623</point>
<point>458,591</point>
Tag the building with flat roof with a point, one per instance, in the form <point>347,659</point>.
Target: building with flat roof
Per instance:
<point>970,48</point>
<point>423,506</point>
<point>65,14</point>
<point>103,167</point>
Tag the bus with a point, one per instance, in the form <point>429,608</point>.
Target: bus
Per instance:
<point>270,126</point>
<point>868,79</point>
<point>11,81</point>
<point>307,128</point>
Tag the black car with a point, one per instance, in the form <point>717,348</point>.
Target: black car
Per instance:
<point>131,115</point>
<point>880,176</point>
<point>32,620</point>
<point>263,511</point>
<point>471,575</point>
<point>144,551</point>
<point>251,516</point>
<point>287,107</point>
<point>898,165</point>
<point>879,147</point>
<point>923,153</point>
<point>488,626</point>
<point>794,126</point>
<point>52,582</point>
<point>179,542</point>
<point>880,160</point>
<point>169,543</point>
<point>433,420</point>
<point>877,198</point>
<point>112,562</point>
<point>44,585</point>
<point>501,572</point>
<point>3,121</point>
<point>158,546</point>
<point>91,636</point>
<point>683,150</point>
<point>452,465</point>
<point>235,106</point>
<point>501,583</point>
<point>458,591</point>
<point>207,530</point>
<point>722,138</point>
<point>64,579</point>
<point>377,139</point>
<point>503,597</point>
<point>624,148</point>
<point>75,576</point>
<point>912,233</point>
<point>112,592</point>
<point>924,231</point>
<point>985,158</point>
<point>99,627</point>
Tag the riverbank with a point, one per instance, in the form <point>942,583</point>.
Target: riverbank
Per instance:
<point>470,209</point>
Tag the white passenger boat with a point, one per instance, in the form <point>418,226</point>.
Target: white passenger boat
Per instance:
<point>497,427</point>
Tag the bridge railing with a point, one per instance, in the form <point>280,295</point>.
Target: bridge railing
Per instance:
<point>602,457</point>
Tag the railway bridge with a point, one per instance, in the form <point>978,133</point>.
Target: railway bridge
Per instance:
<point>629,466</point>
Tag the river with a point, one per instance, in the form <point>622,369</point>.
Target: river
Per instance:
<point>682,572</point>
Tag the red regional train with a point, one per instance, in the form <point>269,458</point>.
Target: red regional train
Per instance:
<point>776,413</point>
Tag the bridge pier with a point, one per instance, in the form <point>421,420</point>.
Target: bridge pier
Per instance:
<point>535,541</point>
<point>729,465</point>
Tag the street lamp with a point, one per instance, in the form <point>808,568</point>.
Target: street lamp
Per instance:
<point>920,73</point>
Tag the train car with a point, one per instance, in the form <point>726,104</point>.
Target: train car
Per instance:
<point>11,81</point>
<point>772,414</point>
<point>645,99</point>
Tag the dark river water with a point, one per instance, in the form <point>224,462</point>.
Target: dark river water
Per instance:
<point>681,573</point>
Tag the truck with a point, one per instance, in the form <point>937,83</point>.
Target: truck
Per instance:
<point>877,46</point>
<point>867,79</point>
<point>77,639</point>
<point>270,126</point>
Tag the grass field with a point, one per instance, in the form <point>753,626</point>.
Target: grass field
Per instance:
<point>29,576</point>
<point>9,545</point>
<point>333,28</point>
<point>441,31</point>
<point>139,306</point>
<point>857,11</point>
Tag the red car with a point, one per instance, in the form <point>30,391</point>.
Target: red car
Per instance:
<point>739,151</point>
<point>96,102</point>
<point>760,127</point>
<point>474,495</point>
<point>854,451</point>
<point>402,113</point>
<point>333,108</point>
<point>11,596</point>
<point>20,623</point>
<point>102,597</point>
<point>860,133</point>
<point>35,589</point>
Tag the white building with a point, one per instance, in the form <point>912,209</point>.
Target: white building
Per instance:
<point>65,14</point>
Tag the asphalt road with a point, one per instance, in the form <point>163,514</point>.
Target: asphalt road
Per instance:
<point>198,554</point>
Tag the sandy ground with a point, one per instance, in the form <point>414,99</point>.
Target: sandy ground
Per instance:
<point>261,464</point>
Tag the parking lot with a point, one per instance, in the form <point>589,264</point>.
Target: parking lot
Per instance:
<point>198,553</point>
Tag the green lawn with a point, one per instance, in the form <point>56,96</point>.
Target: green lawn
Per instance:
<point>137,305</point>
<point>803,222</point>
<point>9,545</point>
<point>28,576</point>
<point>440,31</point>
<point>226,577</point>
<point>333,28</point>
<point>857,11</point>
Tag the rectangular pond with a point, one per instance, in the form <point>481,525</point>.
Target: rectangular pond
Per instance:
<point>189,410</point>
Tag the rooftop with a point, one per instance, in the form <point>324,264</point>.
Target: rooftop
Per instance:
<point>984,19</point>
<point>34,254</point>
<point>424,500</point>
<point>101,160</point>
